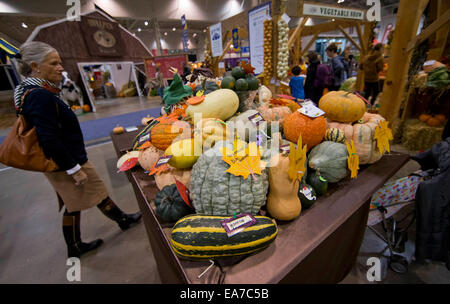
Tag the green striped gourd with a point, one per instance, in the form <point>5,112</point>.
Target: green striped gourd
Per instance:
<point>204,237</point>
<point>335,134</point>
<point>216,192</point>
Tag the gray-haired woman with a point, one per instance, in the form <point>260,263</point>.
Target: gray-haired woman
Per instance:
<point>77,183</point>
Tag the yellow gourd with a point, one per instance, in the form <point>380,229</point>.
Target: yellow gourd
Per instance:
<point>282,202</point>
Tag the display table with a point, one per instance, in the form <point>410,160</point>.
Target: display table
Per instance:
<point>320,246</point>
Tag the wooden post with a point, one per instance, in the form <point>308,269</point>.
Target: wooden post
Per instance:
<point>365,45</point>
<point>440,41</point>
<point>350,38</point>
<point>408,18</point>
<point>305,49</point>
<point>360,38</point>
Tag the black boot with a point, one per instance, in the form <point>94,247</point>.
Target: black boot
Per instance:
<point>108,208</point>
<point>71,232</point>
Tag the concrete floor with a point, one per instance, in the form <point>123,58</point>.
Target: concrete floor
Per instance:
<point>32,248</point>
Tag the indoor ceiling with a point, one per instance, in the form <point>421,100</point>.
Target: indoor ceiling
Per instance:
<point>133,14</point>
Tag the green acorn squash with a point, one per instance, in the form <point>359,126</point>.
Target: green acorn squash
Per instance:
<point>319,184</point>
<point>330,160</point>
<point>170,206</point>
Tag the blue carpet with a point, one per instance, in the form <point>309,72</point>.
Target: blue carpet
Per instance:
<point>99,128</point>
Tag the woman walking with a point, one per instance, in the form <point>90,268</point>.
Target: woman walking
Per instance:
<point>77,183</point>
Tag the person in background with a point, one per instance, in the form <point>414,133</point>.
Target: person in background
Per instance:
<point>352,66</point>
<point>77,184</point>
<point>296,83</point>
<point>372,65</point>
<point>337,67</point>
<point>159,83</point>
<point>313,89</point>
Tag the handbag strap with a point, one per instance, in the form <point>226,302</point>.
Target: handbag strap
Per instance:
<point>22,100</point>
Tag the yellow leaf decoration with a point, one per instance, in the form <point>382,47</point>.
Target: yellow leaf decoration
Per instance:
<point>383,135</point>
<point>352,160</point>
<point>297,160</point>
<point>248,163</point>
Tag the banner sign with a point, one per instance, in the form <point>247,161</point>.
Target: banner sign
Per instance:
<point>215,32</point>
<point>256,19</point>
<point>332,11</point>
<point>102,37</point>
<point>184,36</point>
<point>236,43</point>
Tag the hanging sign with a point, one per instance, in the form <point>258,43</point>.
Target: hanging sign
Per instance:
<point>236,46</point>
<point>215,32</point>
<point>184,35</point>
<point>256,19</point>
<point>332,11</point>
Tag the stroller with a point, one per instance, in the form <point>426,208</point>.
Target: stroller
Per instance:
<point>429,191</point>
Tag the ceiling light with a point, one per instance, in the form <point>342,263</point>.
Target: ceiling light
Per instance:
<point>174,29</point>
<point>165,33</point>
<point>340,1</point>
<point>24,25</point>
<point>139,29</point>
<point>195,35</point>
<point>146,23</point>
<point>204,31</point>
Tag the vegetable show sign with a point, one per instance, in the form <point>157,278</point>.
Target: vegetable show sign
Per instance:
<point>164,63</point>
<point>256,19</point>
<point>327,11</point>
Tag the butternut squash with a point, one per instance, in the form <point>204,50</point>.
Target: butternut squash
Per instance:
<point>282,202</point>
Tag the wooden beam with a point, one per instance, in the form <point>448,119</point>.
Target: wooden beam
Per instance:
<point>430,30</point>
<point>359,86</point>
<point>326,27</point>
<point>305,49</point>
<point>439,43</point>
<point>408,18</point>
<point>361,38</point>
<point>349,37</point>
<point>296,34</point>
<point>225,50</point>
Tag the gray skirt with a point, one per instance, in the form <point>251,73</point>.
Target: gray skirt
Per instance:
<point>82,197</point>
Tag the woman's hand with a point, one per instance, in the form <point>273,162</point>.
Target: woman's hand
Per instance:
<point>80,177</point>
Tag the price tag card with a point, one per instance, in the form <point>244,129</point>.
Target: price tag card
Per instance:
<point>286,18</point>
<point>144,138</point>
<point>277,83</point>
<point>256,119</point>
<point>130,129</point>
<point>272,81</point>
<point>238,223</point>
<point>163,160</point>
<point>309,109</point>
<point>285,148</point>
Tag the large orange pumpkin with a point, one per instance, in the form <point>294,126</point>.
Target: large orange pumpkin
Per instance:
<point>164,133</point>
<point>342,106</point>
<point>312,129</point>
<point>271,113</point>
<point>362,134</point>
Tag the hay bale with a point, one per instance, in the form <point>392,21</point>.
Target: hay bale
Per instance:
<point>418,135</point>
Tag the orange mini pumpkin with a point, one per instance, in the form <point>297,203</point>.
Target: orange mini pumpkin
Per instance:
<point>441,117</point>
<point>312,129</point>
<point>86,108</point>
<point>164,133</point>
<point>424,117</point>
<point>433,122</point>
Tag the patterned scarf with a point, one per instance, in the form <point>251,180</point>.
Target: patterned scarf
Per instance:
<point>32,81</point>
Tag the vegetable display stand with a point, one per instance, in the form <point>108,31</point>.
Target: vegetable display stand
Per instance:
<point>320,246</point>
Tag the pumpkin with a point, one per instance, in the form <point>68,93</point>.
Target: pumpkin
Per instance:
<point>216,192</point>
<point>164,133</point>
<point>86,108</point>
<point>307,196</point>
<point>118,130</point>
<point>271,113</point>
<point>441,117</point>
<point>168,177</point>
<point>292,105</point>
<point>183,153</point>
<point>148,157</point>
<point>342,106</point>
<point>145,120</point>
<point>170,206</point>
<point>362,134</point>
<point>433,122</point>
<point>203,237</point>
<point>244,128</point>
<point>424,117</point>
<point>335,134</point>
<point>208,131</point>
<point>221,104</point>
<point>319,184</point>
<point>330,160</point>
<point>282,202</point>
<point>311,129</point>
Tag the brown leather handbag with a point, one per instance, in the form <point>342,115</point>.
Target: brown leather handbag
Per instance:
<point>21,148</point>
